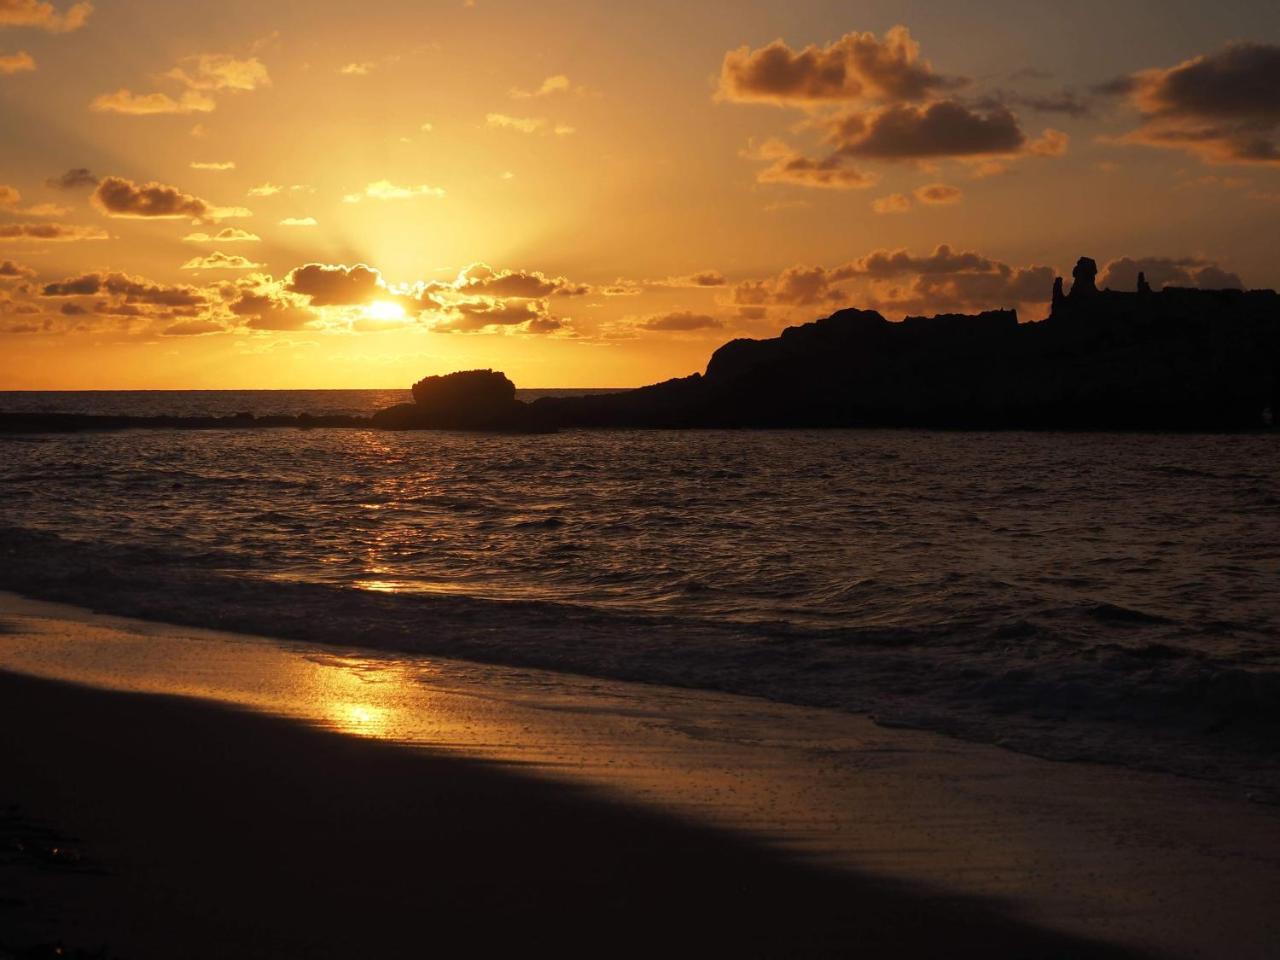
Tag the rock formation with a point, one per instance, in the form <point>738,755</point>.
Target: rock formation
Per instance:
<point>469,400</point>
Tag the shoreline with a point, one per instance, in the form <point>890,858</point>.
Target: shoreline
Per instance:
<point>1195,718</point>
<point>857,830</point>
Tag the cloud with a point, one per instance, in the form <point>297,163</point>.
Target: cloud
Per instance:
<point>73,179</point>
<point>220,261</point>
<point>118,197</point>
<point>556,84</point>
<point>201,75</point>
<point>357,69</point>
<point>44,16</point>
<point>944,128</point>
<point>492,315</point>
<point>265,190</point>
<point>901,282</point>
<point>336,285</point>
<point>938,194</point>
<point>53,232</point>
<point>126,289</point>
<point>272,311</point>
<point>788,166</point>
<point>858,66</point>
<point>298,222</point>
<point>1066,102</point>
<point>9,196</point>
<point>45,210</point>
<point>500,121</point>
<point>151,104</point>
<point>215,72</point>
<point>9,270</point>
<point>1122,273</point>
<point>218,166</point>
<point>893,203</point>
<point>225,235</point>
<point>192,328</point>
<point>681,321</point>
<point>480,279</point>
<point>1221,107</point>
<point>386,190</point>
<point>20,62</point>
<point>702,278</point>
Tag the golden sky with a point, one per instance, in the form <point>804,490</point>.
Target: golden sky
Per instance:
<point>324,194</point>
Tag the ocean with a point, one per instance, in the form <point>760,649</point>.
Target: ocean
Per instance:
<point>1105,597</point>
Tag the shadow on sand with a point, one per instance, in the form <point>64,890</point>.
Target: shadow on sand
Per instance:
<point>222,833</point>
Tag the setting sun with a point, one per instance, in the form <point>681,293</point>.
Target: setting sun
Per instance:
<point>385,310</point>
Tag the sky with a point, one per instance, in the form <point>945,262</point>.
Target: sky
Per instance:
<point>579,193</point>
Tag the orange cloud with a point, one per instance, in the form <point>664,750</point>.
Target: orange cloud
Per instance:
<point>151,104</point>
<point>225,235</point>
<point>220,71</point>
<point>938,194</point>
<point>858,66</point>
<point>220,261</point>
<point>791,167</point>
<point>44,16</point>
<point>893,203</point>
<point>53,232</point>
<point>20,62</point>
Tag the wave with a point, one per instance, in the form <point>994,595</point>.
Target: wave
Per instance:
<point>1021,679</point>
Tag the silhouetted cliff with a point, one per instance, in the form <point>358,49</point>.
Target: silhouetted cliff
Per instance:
<point>1176,359</point>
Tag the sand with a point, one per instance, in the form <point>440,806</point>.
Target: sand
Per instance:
<point>298,802</point>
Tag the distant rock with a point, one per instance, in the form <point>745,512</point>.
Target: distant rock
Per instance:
<point>468,400</point>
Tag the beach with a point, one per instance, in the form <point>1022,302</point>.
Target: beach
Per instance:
<point>335,802</point>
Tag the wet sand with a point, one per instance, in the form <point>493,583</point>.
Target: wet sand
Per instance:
<point>403,807</point>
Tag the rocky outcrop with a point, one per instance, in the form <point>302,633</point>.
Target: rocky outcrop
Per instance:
<point>1174,359</point>
<point>469,400</point>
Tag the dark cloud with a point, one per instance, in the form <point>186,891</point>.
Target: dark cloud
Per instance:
<point>192,328</point>
<point>520,316</point>
<point>1223,107</point>
<point>336,285</point>
<point>128,289</point>
<point>1122,273</point>
<point>118,197</point>
<point>681,321</point>
<point>269,311</point>
<point>900,282</point>
<point>858,66</point>
<point>830,173</point>
<point>44,16</point>
<point>1066,102</point>
<point>945,128</point>
<point>74,179</point>
<point>480,279</point>
<point>52,232</point>
<point>9,270</point>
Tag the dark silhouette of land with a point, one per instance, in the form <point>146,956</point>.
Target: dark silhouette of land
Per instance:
<point>173,828</point>
<point>1176,359</point>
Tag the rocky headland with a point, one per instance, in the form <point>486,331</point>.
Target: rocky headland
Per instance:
<point>1174,359</point>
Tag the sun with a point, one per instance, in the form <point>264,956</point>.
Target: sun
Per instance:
<point>384,310</point>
